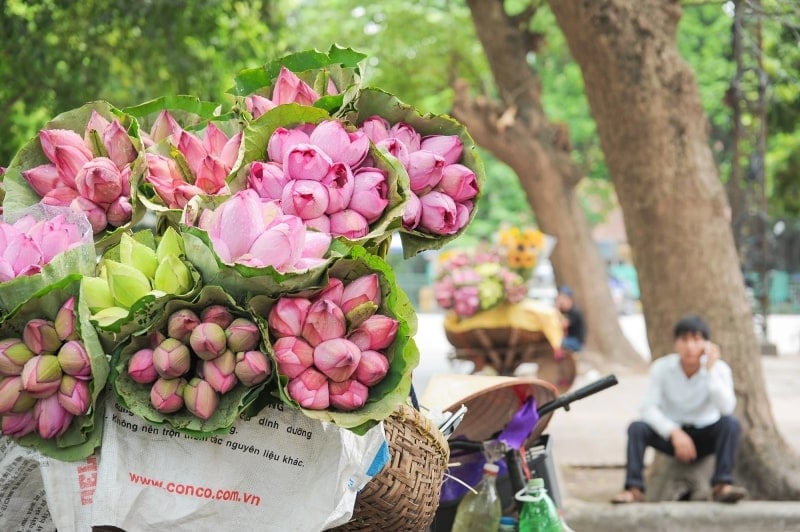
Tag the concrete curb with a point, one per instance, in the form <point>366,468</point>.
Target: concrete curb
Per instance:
<point>750,516</point>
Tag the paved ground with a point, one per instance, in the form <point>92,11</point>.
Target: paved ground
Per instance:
<point>589,441</point>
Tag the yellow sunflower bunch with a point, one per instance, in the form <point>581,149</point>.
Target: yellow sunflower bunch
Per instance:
<point>521,248</point>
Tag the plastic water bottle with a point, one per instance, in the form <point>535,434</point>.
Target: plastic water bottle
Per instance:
<point>539,512</point>
<point>481,511</point>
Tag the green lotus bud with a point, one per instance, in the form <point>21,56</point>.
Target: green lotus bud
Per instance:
<point>170,244</point>
<point>171,358</point>
<point>13,355</point>
<point>110,315</point>
<point>40,336</point>
<point>65,321</point>
<point>166,395</point>
<point>127,284</point>
<point>96,293</point>
<point>200,398</point>
<point>134,253</point>
<point>172,276</point>
<point>41,376</point>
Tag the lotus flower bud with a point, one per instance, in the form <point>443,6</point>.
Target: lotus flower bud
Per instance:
<point>406,134</point>
<point>310,390</point>
<point>424,170</point>
<point>166,395</point>
<point>412,212</point>
<point>18,425</point>
<point>325,321</point>
<point>283,140</point>
<point>60,197</point>
<point>372,367</point>
<point>40,336</point>
<point>181,323</point>
<point>74,360</point>
<point>293,355</point>
<point>252,367</point>
<point>287,316</point>
<point>94,213</point>
<point>458,182</point>
<point>52,420</point>
<point>44,179</point>
<point>242,335</point>
<point>320,223</point>
<point>165,126</point>
<point>306,162</point>
<point>126,283</point>
<point>118,144</point>
<point>268,179</point>
<point>258,105</point>
<point>13,356</point>
<point>219,372</point>
<point>74,395</point>
<point>289,88</point>
<point>219,314</point>
<point>141,368</point>
<point>208,340</point>
<point>136,254</point>
<point>96,294</point>
<point>340,184</point>
<point>348,395</point>
<point>13,398</point>
<point>65,321</point>
<point>439,215</point>
<point>99,180</point>
<point>333,291</point>
<point>365,289</point>
<point>449,147</point>
<point>200,398</point>
<point>171,358</point>
<point>119,211</point>
<point>349,224</point>
<point>305,198</point>
<point>339,144</point>
<point>337,358</point>
<point>170,244</point>
<point>376,332</point>
<point>370,193</point>
<point>172,276</point>
<point>41,376</point>
<point>376,128</point>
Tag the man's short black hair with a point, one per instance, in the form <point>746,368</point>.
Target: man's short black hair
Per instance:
<point>692,324</point>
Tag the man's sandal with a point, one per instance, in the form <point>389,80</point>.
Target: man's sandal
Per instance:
<point>728,493</point>
<point>628,496</point>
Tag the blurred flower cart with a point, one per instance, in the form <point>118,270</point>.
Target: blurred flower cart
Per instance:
<point>490,320</point>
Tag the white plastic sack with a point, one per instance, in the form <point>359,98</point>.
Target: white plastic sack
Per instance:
<point>277,471</point>
<point>22,499</point>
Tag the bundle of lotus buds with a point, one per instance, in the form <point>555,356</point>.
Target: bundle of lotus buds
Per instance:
<point>332,346</point>
<point>45,376</point>
<point>197,359</point>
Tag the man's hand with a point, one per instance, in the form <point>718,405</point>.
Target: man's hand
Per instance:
<point>685,451</point>
<point>712,354</point>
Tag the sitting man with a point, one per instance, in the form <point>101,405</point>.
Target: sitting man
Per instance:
<point>573,321</point>
<point>687,412</point>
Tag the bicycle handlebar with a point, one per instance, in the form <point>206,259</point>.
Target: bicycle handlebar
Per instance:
<point>590,389</point>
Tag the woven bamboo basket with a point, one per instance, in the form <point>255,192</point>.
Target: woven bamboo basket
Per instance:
<point>404,496</point>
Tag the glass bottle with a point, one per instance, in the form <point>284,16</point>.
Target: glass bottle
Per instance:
<point>481,511</point>
<point>539,512</point>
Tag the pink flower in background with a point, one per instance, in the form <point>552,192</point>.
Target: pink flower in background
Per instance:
<point>289,88</point>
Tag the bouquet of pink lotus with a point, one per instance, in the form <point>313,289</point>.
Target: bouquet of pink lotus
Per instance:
<point>233,254</point>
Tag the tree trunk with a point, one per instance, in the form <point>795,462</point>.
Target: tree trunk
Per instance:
<point>653,131</point>
<point>518,133</point>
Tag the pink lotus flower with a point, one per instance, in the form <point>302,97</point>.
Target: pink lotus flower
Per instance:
<point>44,179</point>
<point>171,358</point>
<point>13,356</point>
<point>116,141</point>
<point>283,140</point>
<point>348,395</point>
<point>242,335</point>
<point>40,336</point>
<point>449,147</point>
<point>289,88</point>
<point>287,316</point>
<point>200,398</point>
<point>74,395</point>
<point>19,254</point>
<point>208,340</point>
<point>458,182</point>
<point>337,358</point>
<point>376,332</point>
<point>252,367</point>
<point>267,179</point>
<point>258,105</point>
<point>244,230</point>
<point>413,212</point>
<point>439,214</point>
<point>218,314</point>
<point>333,291</point>
<point>166,395</point>
<point>52,420</point>
<point>340,184</point>
<point>219,372</point>
<point>396,149</point>
<point>372,367</point>
<point>305,198</point>
<point>340,145</point>
<point>119,211</point>
<point>94,213</point>
<point>310,390</point>
<point>306,161</point>
<point>181,323</point>
<point>293,355</point>
<point>165,126</point>
<point>74,360</point>
<point>64,323</point>
<point>364,289</point>
<point>18,425</point>
<point>370,193</point>
<point>424,170</point>
<point>324,321</point>
<point>11,392</point>
<point>141,368</point>
<point>349,224</point>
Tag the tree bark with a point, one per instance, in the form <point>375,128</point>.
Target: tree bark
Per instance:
<point>516,130</point>
<point>653,131</point>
